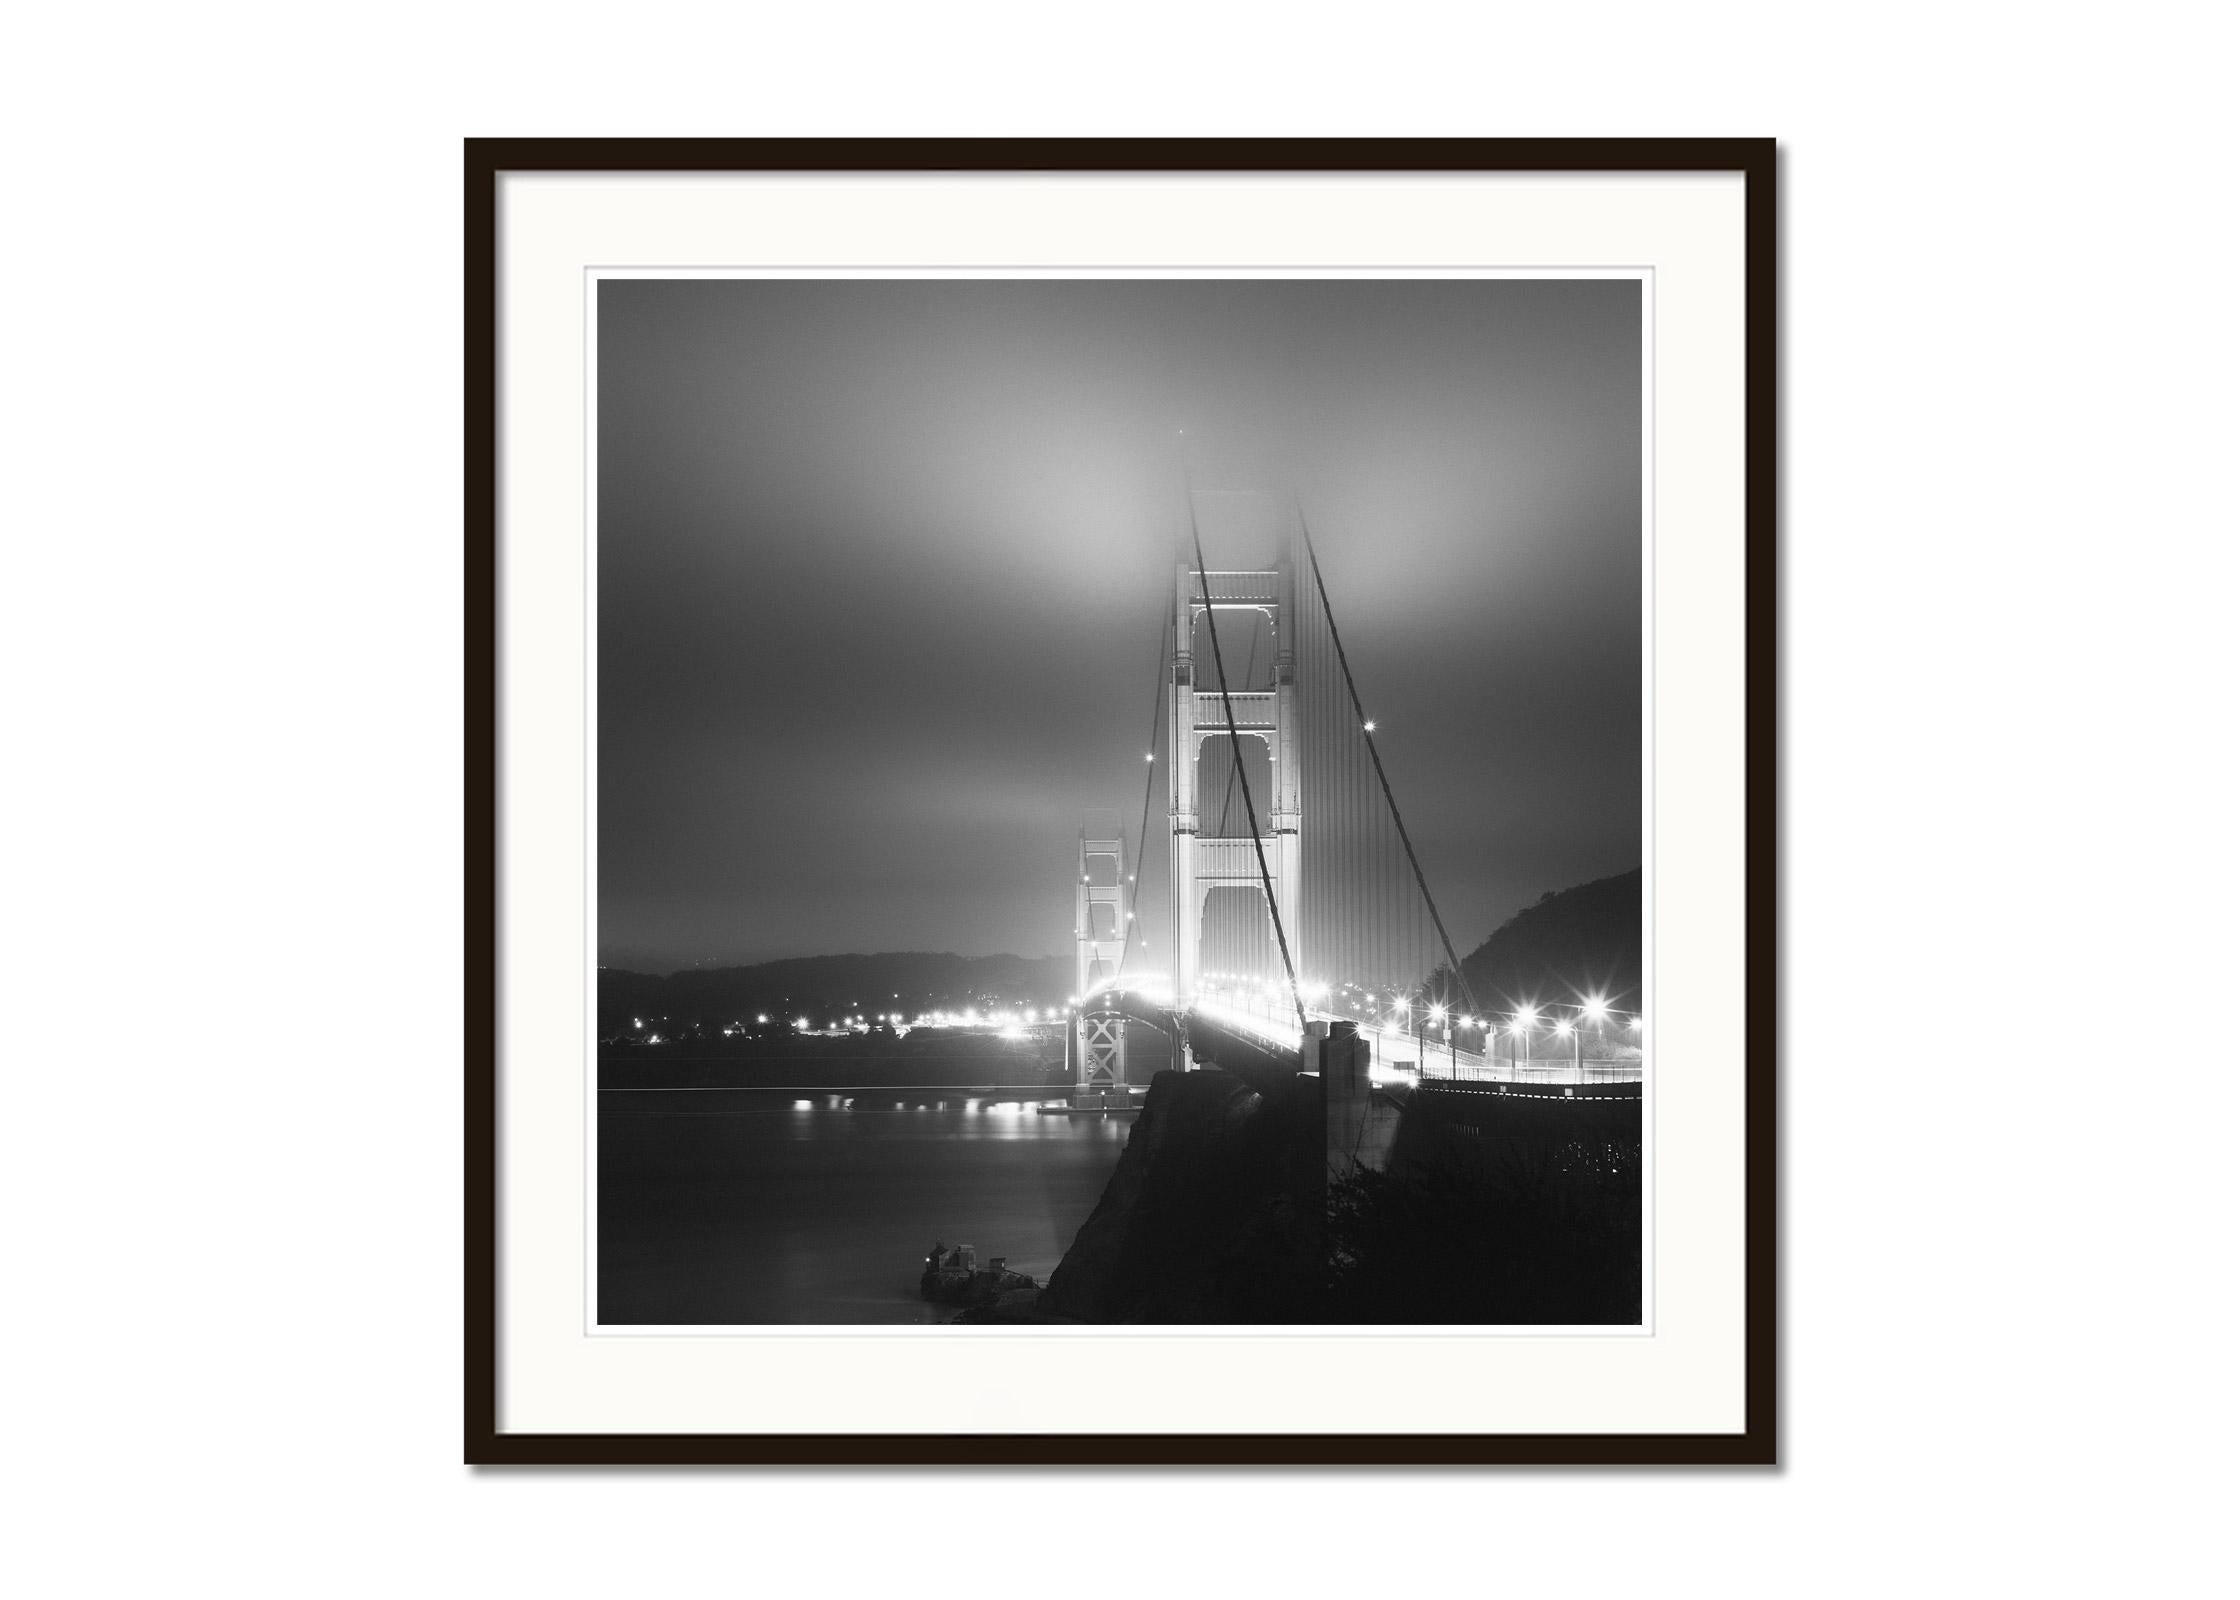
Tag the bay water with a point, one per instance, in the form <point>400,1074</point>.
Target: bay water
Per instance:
<point>817,1206</point>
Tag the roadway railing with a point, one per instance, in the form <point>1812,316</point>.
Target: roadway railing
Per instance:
<point>1397,1054</point>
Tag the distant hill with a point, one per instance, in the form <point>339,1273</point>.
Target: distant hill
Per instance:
<point>826,987</point>
<point>1571,943</point>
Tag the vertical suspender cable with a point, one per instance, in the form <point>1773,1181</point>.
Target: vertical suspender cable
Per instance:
<point>1150,781</point>
<point>1370,740</point>
<point>1236,754</point>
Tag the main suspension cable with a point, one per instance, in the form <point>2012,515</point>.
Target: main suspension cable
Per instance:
<point>1150,781</point>
<point>1236,775</point>
<point>1236,755</point>
<point>1369,737</point>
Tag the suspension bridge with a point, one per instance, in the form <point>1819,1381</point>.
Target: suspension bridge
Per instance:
<point>1302,931</point>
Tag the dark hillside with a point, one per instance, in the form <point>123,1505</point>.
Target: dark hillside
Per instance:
<point>826,987</point>
<point>1572,943</point>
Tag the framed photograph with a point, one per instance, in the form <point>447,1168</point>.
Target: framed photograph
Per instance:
<point>1121,801</point>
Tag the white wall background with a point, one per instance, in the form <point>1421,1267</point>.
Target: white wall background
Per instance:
<point>230,628</point>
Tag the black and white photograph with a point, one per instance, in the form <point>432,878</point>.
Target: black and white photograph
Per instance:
<point>1120,800</point>
<point>866,801</point>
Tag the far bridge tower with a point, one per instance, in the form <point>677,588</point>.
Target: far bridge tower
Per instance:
<point>1100,943</point>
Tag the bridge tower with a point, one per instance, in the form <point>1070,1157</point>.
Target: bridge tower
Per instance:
<point>1201,864</point>
<point>1100,941</point>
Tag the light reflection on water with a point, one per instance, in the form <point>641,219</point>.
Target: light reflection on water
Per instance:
<point>766,1206</point>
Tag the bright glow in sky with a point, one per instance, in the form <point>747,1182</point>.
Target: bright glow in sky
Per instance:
<point>883,568</point>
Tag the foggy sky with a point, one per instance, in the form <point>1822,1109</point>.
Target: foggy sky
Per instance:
<point>883,570</point>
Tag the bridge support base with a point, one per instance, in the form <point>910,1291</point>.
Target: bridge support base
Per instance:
<point>1102,1100</point>
<point>1101,1062</point>
<point>1359,1121</point>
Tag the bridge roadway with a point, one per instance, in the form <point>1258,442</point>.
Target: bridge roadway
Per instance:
<point>1257,1048</point>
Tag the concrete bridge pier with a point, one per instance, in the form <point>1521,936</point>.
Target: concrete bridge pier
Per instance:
<point>1359,1121</point>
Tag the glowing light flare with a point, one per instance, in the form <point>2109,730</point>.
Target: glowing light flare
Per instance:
<point>1246,1022</point>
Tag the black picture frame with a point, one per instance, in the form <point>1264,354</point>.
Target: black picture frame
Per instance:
<point>487,162</point>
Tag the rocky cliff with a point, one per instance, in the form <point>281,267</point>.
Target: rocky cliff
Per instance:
<point>1214,1214</point>
<point>1490,1212</point>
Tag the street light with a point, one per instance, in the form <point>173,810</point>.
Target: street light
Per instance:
<point>1578,1069</point>
<point>1596,1011</point>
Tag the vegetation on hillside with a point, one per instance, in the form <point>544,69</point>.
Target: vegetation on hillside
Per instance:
<point>1568,945</point>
